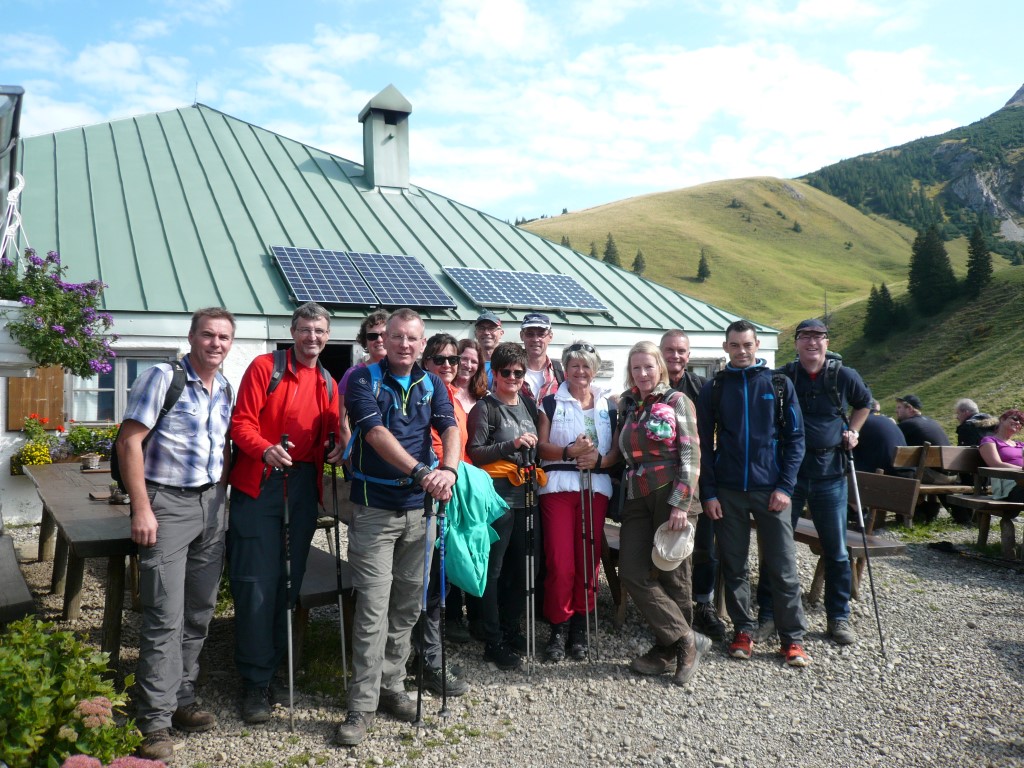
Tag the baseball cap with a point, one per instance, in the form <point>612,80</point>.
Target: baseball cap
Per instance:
<point>671,547</point>
<point>488,317</point>
<point>536,320</point>
<point>813,324</point>
<point>912,400</point>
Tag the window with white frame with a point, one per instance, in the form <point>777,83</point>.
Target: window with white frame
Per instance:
<point>104,397</point>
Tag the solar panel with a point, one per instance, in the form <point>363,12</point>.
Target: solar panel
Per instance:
<point>524,290</point>
<point>400,281</point>
<point>326,277</point>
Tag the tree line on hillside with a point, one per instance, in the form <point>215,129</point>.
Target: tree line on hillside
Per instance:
<point>611,256</point>
<point>931,284</point>
<point>898,182</point>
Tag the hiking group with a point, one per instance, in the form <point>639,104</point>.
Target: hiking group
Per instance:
<point>512,461</point>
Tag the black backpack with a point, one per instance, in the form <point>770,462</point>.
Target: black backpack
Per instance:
<point>173,394</point>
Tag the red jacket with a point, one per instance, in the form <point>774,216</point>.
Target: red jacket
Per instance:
<point>259,420</point>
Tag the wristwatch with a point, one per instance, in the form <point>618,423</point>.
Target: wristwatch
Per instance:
<point>420,471</point>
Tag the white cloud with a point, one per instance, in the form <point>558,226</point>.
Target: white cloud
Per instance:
<point>31,53</point>
<point>488,29</point>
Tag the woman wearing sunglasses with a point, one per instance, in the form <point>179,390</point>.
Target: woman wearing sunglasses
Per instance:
<point>371,338</point>
<point>471,381</point>
<point>503,429</point>
<point>575,437</point>
<point>659,442</point>
<point>1001,450</point>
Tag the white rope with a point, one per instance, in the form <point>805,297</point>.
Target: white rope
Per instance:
<point>13,222</point>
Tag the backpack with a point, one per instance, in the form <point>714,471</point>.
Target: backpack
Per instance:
<point>558,371</point>
<point>778,386</point>
<point>173,395</point>
<point>376,384</point>
<point>281,363</point>
<point>833,362</point>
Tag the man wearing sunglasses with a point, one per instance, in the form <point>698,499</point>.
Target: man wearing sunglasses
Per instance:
<point>543,375</point>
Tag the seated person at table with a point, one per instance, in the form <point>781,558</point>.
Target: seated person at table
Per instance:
<point>1001,450</point>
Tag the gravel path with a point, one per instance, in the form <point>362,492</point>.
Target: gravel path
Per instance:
<point>949,692</point>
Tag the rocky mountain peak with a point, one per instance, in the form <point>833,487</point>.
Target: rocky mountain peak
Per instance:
<point>1018,98</point>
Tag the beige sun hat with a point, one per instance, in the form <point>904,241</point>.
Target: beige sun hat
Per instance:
<point>671,547</point>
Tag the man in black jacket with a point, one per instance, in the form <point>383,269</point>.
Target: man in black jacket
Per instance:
<point>675,348</point>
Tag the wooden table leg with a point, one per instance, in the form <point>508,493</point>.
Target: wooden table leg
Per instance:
<point>60,566</point>
<point>73,587</point>
<point>112,609</point>
<point>47,536</point>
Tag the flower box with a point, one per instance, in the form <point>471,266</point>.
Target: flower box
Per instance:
<point>14,359</point>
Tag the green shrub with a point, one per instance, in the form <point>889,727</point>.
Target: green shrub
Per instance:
<point>55,700</point>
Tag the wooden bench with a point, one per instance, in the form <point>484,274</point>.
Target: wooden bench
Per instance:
<point>320,588</point>
<point>15,597</point>
<point>984,507</point>
<point>944,459</point>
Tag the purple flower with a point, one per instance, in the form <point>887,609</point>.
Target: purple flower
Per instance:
<point>38,323</point>
<point>35,260</point>
<point>6,263</point>
<point>57,328</point>
<point>53,257</point>
<point>71,342</point>
<point>81,761</point>
<point>28,301</point>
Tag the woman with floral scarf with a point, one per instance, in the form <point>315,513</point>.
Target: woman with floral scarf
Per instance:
<point>659,442</point>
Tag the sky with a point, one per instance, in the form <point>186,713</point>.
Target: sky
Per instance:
<point>523,108</point>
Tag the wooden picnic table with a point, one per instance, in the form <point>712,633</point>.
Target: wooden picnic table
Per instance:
<point>1003,472</point>
<point>76,527</point>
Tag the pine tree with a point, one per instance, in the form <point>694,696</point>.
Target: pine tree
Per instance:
<point>979,264</point>
<point>593,249</point>
<point>639,263</point>
<point>565,241</point>
<point>876,326</point>
<point>703,268</point>
<point>931,282</point>
<point>611,252</point>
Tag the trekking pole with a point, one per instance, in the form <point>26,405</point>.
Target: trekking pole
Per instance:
<point>584,486</point>
<point>337,563</point>
<point>441,529</point>
<point>287,522</point>
<point>867,556</point>
<point>529,470</point>
<point>593,562</point>
<point>427,553</point>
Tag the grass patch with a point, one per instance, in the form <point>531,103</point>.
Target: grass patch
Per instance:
<point>922,533</point>
<point>322,671</point>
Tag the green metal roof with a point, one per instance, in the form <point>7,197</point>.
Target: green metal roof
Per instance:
<point>178,210</point>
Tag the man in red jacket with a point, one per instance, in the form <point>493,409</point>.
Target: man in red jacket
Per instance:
<point>304,406</point>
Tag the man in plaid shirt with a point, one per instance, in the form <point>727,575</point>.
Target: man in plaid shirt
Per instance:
<point>174,474</point>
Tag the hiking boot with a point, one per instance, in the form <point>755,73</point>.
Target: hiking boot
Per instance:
<point>795,655</point>
<point>764,632</point>
<point>157,745</point>
<point>578,650</point>
<point>453,686</point>
<point>657,661</point>
<point>277,692</point>
<point>353,730</point>
<point>398,705</point>
<point>689,650</point>
<point>742,646</point>
<point>477,631</point>
<point>555,649</point>
<point>841,631</point>
<point>457,631</point>
<point>516,642</point>
<point>503,657</point>
<point>255,704</point>
<point>707,622</point>
<point>193,719</point>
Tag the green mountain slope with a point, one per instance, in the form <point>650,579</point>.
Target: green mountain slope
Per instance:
<point>972,349</point>
<point>761,266</point>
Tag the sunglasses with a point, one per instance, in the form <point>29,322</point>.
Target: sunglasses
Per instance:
<point>374,335</point>
<point>581,348</point>
<point>440,360</point>
<point>508,373</point>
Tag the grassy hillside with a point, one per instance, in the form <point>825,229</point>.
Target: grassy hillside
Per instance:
<point>973,349</point>
<point>761,267</point>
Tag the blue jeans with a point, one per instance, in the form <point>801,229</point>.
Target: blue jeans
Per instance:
<point>827,501</point>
